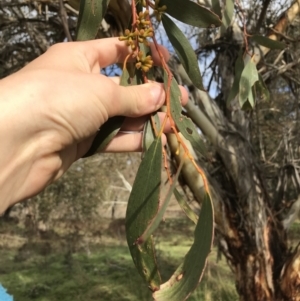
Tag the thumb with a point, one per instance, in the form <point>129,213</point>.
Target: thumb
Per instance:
<point>135,101</point>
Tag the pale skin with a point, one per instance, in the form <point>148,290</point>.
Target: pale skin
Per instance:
<point>51,110</point>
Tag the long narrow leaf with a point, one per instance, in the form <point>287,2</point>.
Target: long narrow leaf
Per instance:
<point>216,8</point>
<point>184,124</point>
<point>149,133</point>
<point>184,51</point>
<point>191,13</point>
<point>142,207</point>
<point>189,273</point>
<point>248,77</point>
<point>91,13</point>
<point>107,132</point>
<point>153,224</point>
<point>264,41</point>
<point>228,13</point>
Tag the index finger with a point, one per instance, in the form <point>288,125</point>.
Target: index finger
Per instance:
<point>109,51</point>
<point>89,56</point>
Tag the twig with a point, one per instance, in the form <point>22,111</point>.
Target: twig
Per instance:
<point>64,20</point>
<point>71,9</point>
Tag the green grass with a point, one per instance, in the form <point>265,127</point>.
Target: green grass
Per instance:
<point>107,273</point>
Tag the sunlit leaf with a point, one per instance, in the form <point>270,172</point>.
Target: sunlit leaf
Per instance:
<point>91,13</point>
<point>248,77</point>
<point>189,273</point>
<point>191,13</point>
<point>142,206</point>
<point>184,124</point>
<point>185,207</point>
<point>266,42</point>
<point>184,51</point>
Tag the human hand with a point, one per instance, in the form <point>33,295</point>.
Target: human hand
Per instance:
<point>51,109</point>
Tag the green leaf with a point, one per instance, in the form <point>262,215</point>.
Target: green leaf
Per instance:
<point>239,66</point>
<point>142,207</point>
<point>184,51</point>
<point>184,124</point>
<point>153,224</point>
<point>185,207</point>
<point>248,77</point>
<point>228,14</point>
<point>107,132</point>
<point>149,133</point>
<point>266,42</point>
<point>91,13</point>
<point>191,13</point>
<point>189,273</point>
<point>216,7</point>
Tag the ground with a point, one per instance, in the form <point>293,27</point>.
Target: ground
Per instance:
<point>44,270</point>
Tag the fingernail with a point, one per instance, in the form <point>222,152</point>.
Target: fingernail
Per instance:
<point>158,94</point>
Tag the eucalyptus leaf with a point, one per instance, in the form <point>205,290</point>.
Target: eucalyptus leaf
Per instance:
<point>216,8</point>
<point>153,224</point>
<point>266,42</point>
<point>107,132</point>
<point>248,77</point>
<point>184,50</point>
<point>91,13</point>
<point>191,13</point>
<point>149,133</point>
<point>184,124</point>
<point>228,14</point>
<point>142,207</point>
<point>189,273</point>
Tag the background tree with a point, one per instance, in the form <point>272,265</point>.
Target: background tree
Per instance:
<point>252,169</point>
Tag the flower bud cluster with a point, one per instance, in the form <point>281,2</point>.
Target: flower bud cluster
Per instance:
<point>144,63</point>
<point>159,10</point>
<point>142,32</point>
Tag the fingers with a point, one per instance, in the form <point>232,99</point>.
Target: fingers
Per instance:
<point>128,142</point>
<point>105,52</point>
<point>89,56</point>
<point>184,92</point>
<point>133,101</point>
